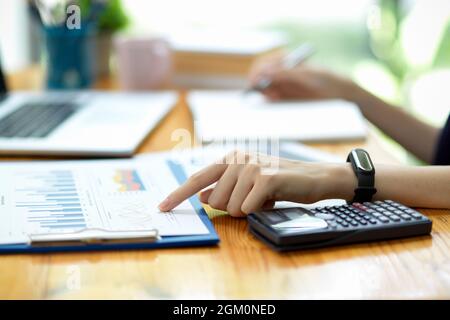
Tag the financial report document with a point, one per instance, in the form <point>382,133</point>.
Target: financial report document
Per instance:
<point>68,196</point>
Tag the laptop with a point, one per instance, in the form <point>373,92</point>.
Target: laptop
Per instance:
<point>79,123</point>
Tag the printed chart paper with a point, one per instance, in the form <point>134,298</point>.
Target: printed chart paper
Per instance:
<point>64,197</point>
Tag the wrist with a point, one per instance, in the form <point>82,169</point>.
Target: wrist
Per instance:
<point>338,182</point>
<point>351,92</point>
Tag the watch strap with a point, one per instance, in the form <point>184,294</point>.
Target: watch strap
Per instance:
<point>366,183</point>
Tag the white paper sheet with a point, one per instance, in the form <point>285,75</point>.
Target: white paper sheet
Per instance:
<point>225,114</point>
<point>68,196</point>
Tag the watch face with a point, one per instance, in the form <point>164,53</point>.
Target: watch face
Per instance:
<point>362,160</point>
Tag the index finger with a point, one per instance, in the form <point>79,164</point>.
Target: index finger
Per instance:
<point>194,184</point>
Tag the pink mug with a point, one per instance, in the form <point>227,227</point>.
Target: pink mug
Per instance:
<point>143,63</point>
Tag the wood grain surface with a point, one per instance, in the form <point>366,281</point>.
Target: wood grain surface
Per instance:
<point>240,267</point>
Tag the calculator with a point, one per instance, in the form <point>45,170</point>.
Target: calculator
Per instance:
<point>299,228</point>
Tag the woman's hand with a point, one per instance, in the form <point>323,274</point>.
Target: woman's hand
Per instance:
<point>302,82</point>
<point>250,182</point>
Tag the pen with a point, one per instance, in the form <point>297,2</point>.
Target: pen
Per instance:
<point>291,60</point>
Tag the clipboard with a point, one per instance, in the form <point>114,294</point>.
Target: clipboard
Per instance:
<point>143,241</point>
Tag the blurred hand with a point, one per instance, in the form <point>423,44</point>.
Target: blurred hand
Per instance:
<point>249,182</point>
<point>301,82</point>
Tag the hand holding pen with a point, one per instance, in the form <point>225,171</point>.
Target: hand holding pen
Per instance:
<point>262,75</point>
<point>286,78</point>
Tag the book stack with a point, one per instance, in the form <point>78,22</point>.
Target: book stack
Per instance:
<point>219,59</point>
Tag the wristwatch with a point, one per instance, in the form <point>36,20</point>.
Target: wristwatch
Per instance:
<point>365,173</point>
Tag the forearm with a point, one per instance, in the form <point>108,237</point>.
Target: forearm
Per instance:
<point>415,186</point>
<point>416,136</point>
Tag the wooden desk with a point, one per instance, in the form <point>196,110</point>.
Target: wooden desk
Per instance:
<point>240,267</point>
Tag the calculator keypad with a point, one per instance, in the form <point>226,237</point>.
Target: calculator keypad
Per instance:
<point>366,214</point>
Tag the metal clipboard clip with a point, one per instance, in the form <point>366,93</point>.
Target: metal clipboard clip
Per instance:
<point>94,236</point>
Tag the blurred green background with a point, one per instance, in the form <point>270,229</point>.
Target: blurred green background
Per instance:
<point>401,53</point>
<point>397,49</point>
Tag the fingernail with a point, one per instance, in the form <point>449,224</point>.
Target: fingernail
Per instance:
<point>165,205</point>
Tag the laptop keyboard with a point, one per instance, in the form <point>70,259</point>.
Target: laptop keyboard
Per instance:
<point>36,119</point>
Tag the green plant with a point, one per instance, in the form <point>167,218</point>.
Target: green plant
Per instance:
<point>111,18</point>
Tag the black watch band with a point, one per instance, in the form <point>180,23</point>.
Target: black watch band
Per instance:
<point>365,173</point>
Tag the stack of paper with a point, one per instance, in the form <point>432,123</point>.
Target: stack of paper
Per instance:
<point>233,114</point>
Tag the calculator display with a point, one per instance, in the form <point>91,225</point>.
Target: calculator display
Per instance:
<point>297,218</point>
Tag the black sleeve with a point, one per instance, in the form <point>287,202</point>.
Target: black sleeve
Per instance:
<point>442,155</point>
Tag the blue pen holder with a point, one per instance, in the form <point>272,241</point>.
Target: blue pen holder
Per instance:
<point>70,57</point>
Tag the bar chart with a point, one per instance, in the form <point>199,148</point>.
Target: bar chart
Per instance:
<point>51,201</point>
<point>128,180</point>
